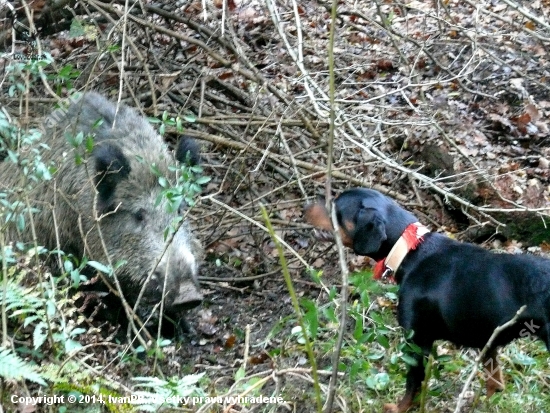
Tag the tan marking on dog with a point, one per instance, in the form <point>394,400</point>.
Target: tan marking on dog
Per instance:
<point>495,380</point>
<point>347,228</point>
<point>317,215</point>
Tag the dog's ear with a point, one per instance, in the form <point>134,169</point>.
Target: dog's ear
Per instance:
<point>370,231</point>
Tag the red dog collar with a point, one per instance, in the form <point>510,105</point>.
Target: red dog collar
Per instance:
<point>409,240</point>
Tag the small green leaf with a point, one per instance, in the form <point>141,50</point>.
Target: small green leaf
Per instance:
<point>77,331</point>
<point>72,345</point>
<point>358,330</point>
<point>378,381</point>
<point>190,117</point>
<point>383,341</point>
<point>89,143</point>
<point>39,335</point>
<point>163,181</point>
<point>203,180</point>
<point>311,316</point>
<point>76,30</point>
<point>100,267</point>
<point>523,359</point>
<point>315,275</point>
<point>239,374</point>
<point>411,361</point>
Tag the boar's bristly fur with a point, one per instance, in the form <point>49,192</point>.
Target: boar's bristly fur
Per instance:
<point>108,202</point>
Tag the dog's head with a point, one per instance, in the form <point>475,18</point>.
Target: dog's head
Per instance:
<point>369,222</point>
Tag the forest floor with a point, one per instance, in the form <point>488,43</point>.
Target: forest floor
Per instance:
<point>442,105</point>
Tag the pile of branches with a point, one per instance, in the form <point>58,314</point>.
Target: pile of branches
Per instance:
<point>442,105</point>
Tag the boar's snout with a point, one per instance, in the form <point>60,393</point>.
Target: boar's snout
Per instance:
<point>188,296</point>
<point>179,267</point>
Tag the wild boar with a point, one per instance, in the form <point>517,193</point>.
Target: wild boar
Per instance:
<point>108,205</point>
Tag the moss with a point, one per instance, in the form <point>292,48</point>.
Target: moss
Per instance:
<point>99,392</point>
<point>528,228</point>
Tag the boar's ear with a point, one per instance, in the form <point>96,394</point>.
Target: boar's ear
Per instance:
<point>187,151</point>
<point>111,166</point>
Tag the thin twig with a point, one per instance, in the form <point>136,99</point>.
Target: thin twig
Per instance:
<point>489,344</point>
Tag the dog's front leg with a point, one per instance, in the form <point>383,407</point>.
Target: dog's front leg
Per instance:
<point>415,376</point>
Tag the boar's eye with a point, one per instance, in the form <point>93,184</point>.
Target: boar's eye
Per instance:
<point>140,215</point>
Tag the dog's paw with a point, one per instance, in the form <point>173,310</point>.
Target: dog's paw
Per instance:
<point>390,408</point>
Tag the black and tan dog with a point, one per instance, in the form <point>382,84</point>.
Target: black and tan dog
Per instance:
<point>448,290</point>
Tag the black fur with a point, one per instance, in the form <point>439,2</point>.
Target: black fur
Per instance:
<point>111,167</point>
<point>187,151</point>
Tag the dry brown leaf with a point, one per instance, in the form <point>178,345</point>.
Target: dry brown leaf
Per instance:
<point>532,111</point>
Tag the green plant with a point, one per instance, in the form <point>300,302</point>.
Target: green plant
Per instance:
<point>167,393</point>
<point>189,178</point>
<point>64,78</point>
<point>44,307</point>
<point>33,170</point>
<point>13,367</point>
<point>177,122</point>
<point>38,308</point>
<point>21,75</point>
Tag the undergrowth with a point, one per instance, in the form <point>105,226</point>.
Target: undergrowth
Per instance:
<point>48,345</point>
